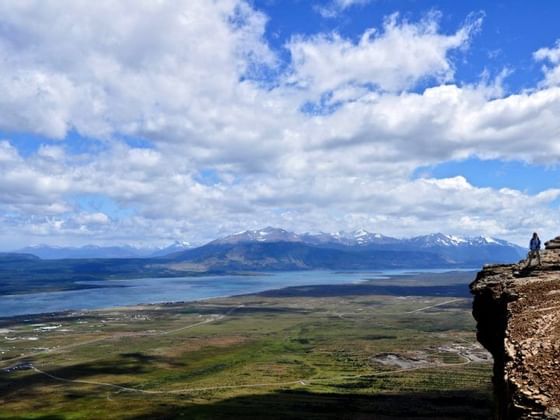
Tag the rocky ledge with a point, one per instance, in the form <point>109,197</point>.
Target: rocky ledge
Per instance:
<point>517,310</point>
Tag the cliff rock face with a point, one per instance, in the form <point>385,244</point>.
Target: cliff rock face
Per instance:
<point>517,309</point>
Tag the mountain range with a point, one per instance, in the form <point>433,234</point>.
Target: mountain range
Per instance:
<point>361,237</point>
<point>278,249</point>
<point>269,249</point>
<point>49,252</point>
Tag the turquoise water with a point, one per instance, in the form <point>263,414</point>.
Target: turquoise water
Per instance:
<point>156,290</point>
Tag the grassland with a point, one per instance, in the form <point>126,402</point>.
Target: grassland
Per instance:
<point>259,356</point>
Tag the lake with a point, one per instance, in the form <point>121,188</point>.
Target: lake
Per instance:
<point>157,290</point>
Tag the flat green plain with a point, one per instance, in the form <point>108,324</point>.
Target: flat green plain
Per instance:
<point>258,357</point>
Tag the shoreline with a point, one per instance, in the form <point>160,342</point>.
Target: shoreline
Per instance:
<point>364,286</point>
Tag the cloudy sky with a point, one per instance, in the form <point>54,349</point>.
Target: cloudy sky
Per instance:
<point>146,121</point>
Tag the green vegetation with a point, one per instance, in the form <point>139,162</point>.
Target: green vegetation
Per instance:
<point>249,357</point>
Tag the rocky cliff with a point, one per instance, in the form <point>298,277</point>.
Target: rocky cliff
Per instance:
<point>517,309</point>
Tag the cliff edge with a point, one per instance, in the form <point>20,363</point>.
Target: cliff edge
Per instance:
<point>517,310</point>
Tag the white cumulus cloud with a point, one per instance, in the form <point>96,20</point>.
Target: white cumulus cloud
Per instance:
<point>552,56</point>
<point>225,150</point>
<point>393,59</point>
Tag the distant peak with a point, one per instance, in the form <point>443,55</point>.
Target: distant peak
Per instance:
<point>272,229</point>
<point>490,240</point>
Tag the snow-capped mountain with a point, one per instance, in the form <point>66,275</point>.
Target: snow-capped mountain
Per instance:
<point>268,234</point>
<point>360,237</point>
<point>271,234</point>
<point>176,246</point>
<point>463,248</point>
<point>439,239</point>
<point>357,237</point>
<point>455,249</point>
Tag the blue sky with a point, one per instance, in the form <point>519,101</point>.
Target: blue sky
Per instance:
<point>512,30</point>
<point>187,120</point>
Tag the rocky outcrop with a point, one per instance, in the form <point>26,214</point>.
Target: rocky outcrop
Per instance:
<point>517,309</point>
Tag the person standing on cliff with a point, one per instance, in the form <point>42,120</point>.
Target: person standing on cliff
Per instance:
<point>534,249</point>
